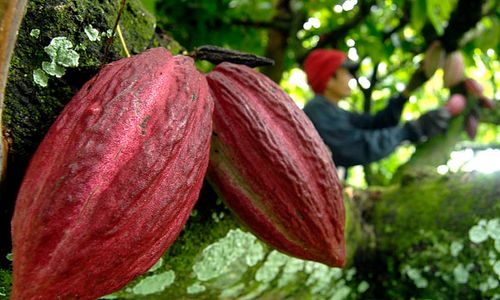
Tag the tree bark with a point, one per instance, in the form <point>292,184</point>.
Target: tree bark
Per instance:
<point>278,42</point>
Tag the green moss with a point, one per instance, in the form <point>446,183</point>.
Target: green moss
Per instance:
<point>357,234</point>
<point>434,203</point>
<point>433,153</point>
<point>439,234</point>
<point>5,283</point>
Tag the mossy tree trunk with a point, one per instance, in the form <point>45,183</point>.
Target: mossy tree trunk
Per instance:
<point>388,229</point>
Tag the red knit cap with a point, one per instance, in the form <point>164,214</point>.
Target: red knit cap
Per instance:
<point>320,65</point>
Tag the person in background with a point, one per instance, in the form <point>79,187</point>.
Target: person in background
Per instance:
<point>353,138</point>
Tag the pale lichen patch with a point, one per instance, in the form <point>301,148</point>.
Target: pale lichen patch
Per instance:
<point>92,33</point>
<point>40,77</point>
<point>461,274</point>
<point>62,56</point>
<point>53,69</point>
<point>218,257</point>
<point>61,52</point>
<point>233,291</point>
<point>154,284</point>
<point>35,33</point>
<point>271,267</point>
<point>195,288</point>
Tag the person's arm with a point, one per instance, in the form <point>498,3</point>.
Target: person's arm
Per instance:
<point>387,117</point>
<point>353,146</point>
<point>349,144</point>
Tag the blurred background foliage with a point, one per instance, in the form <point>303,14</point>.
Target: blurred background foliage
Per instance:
<point>387,37</point>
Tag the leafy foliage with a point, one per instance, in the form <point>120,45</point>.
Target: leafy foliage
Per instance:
<point>195,23</point>
<point>387,37</point>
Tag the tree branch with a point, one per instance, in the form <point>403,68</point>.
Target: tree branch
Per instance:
<point>278,41</point>
<point>463,18</point>
<point>277,24</point>
<point>333,37</point>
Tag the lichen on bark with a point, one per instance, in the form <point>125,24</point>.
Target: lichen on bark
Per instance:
<point>31,108</point>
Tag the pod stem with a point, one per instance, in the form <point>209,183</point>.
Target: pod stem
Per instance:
<point>217,55</point>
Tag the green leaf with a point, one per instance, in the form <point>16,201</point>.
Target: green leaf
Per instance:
<point>489,36</point>
<point>418,14</point>
<point>150,5</point>
<point>439,12</point>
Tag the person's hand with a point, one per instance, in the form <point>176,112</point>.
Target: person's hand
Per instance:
<point>431,123</point>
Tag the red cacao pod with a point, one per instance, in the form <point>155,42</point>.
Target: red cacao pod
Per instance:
<point>473,87</point>
<point>453,69</point>
<point>271,167</point>
<point>456,104</point>
<point>434,58</point>
<point>471,124</point>
<point>114,180</point>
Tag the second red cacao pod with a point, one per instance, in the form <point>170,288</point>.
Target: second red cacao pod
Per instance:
<point>453,69</point>
<point>271,167</point>
<point>114,180</point>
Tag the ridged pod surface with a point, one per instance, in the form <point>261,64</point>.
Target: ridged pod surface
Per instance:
<point>272,169</point>
<point>114,180</point>
<point>453,69</point>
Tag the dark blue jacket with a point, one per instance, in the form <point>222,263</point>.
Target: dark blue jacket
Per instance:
<point>357,139</point>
